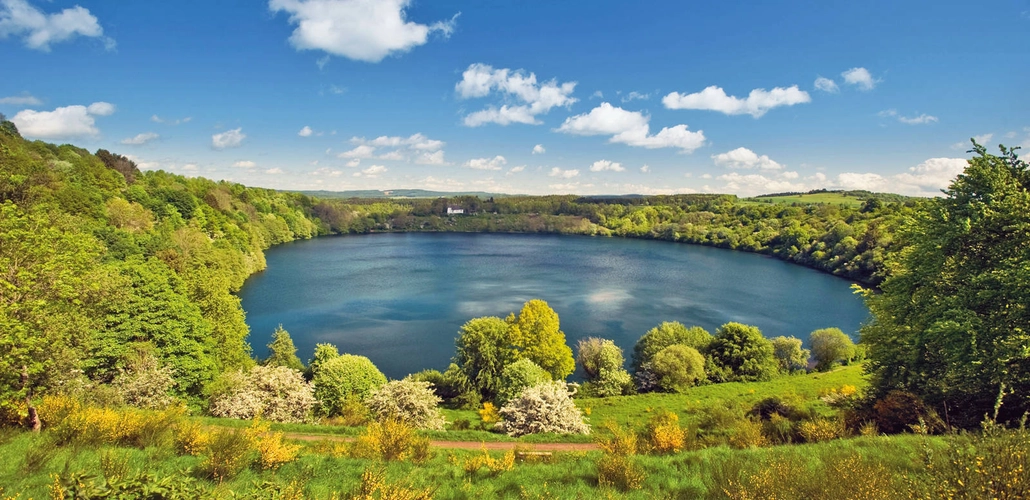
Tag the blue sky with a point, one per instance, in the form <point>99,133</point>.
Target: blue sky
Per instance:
<point>526,97</point>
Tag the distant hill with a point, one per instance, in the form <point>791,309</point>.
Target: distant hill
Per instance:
<point>399,193</point>
<point>837,197</point>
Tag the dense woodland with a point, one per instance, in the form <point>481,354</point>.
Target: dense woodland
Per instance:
<point>117,288</point>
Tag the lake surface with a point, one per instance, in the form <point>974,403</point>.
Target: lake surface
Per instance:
<point>400,298</point>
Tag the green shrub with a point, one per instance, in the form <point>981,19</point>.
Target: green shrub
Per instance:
<point>229,452</point>
<point>743,352</point>
<point>678,367</point>
<point>517,376</point>
<point>829,346</point>
<point>546,407</point>
<point>145,383</point>
<point>663,433</point>
<point>391,440</point>
<point>602,362</point>
<point>898,411</point>
<point>343,376</point>
<point>620,472</point>
<point>409,401</point>
<point>789,354</point>
<point>665,335</point>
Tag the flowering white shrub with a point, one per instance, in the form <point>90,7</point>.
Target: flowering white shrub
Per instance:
<point>412,402</point>
<point>146,384</point>
<point>275,393</point>
<point>545,407</point>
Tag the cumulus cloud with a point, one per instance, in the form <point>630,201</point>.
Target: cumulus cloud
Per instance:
<point>39,30</point>
<point>826,85</point>
<point>606,166</point>
<point>539,149</point>
<point>631,128</point>
<point>306,131</point>
<point>101,109</point>
<point>140,139</point>
<point>745,158</point>
<point>645,169</point>
<point>434,158</point>
<point>244,164</point>
<point>363,30</point>
<point>328,172</point>
<point>922,119</point>
<point>228,139</point>
<point>495,163</point>
<point>757,103</point>
<point>371,172</point>
<point>422,149</point>
<point>354,163</point>
<point>21,100</point>
<point>515,170</point>
<point>859,77</point>
<point>274,171</point>
<point>362,151</point>
<point>61,123</point>
<point>528,98</point>
<point>755,184</point>
<point>564,174</point>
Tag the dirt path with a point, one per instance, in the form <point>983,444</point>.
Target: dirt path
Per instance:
<point>463,445</point>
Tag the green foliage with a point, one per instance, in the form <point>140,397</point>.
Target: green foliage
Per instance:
<point>282,352</point>
<point>145,383</point>
<point>535,334</point>
<point>829,346</point>
<point>343,376</point>
<point>951,325</point>
<point>602,362</point>
<point>666,334</point>
<point>743,353</point>
<point>408,401</point>
<point>789,354</point>
<point>678,367</point>
<point>517,376</point>
<point>483,349</point>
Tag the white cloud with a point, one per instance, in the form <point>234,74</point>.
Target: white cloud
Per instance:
<point>274,171</point>
<point>605,165</point>
<point>539,149</point>
<point>631,127</point>
<point>597,95</point>
<point>918,120</point>
<point>757,103</point>
<point>228,139</point>
<point>826,85</point>
<point>515,170</point>
<point>64,122</point>
<point>244,164</point>
<point>354,163</point>
<point>101,109</point>
<point>434,158</point>
<point>362,151</point>
<point>39,30</point>
<point>372,171</point>
<point>305,132</point>
<point>914,120</point>
<point>633,96</point>
<point>859,77</point>
<point>531,99</point>
<point>391,156</point>
<point>564,174</point>
<point>363,30</point>
<point>755,184</point>
<point>983,138</point>
<point>416,141</point>
<point>645,169</point>
<point>140,139</point>
<point>926,179</point>
<point>745,158</point>
<point>21,100</point>
<point>495,163</point>
<point>158,119</point>
<point>190,167</point>
<point>327,171</point>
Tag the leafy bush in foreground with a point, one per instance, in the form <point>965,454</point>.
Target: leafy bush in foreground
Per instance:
<point>543,408</point>
<point>274,393</point>
<point>343,376</point>
<point>410,401</point>
<point>517,376</point>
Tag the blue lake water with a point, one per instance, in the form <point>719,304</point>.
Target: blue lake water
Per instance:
<point>400,298</point>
